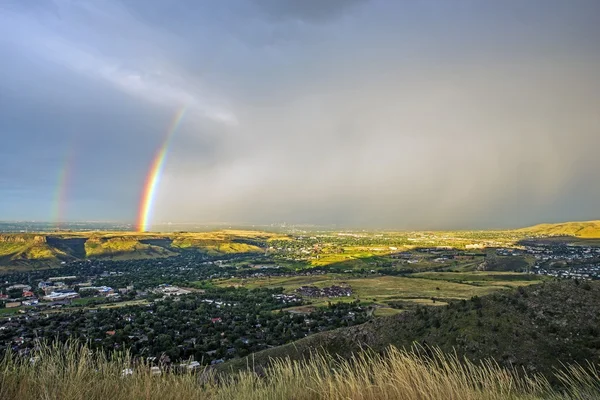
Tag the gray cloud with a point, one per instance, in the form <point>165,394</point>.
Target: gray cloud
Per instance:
<point>306,10</point>
<point>407,115</point>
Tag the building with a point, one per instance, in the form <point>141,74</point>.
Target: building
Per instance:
<point>105,290</point>
<point>13,304</point>
<point>169,290</point>
<point>101,290</point>
<point>18,287</point>
<point>62,278</point>
<point>49,289</point>
<point>61,295</point>
<point>113,296</point>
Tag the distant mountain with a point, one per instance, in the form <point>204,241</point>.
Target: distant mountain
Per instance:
<point>585,229</point>
<point>536,328</point>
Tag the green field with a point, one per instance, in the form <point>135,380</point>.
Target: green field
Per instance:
<point>483,278</point>
<point>418,288</point>
<point>9,311</point>
<point>124,304</point>
<point>85,301</point>
<point>386,312</point>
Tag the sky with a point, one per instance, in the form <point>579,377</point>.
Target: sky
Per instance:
<point>416,114</point>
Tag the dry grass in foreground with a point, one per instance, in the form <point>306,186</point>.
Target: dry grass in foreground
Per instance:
<point>74,372</point>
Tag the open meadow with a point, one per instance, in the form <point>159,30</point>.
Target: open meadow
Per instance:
<point>420,288</point>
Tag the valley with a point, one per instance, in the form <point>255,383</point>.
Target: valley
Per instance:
<point>216,297</point>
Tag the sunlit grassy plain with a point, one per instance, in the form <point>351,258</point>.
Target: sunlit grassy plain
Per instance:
<point>69,371</point>
<point>419,288</point>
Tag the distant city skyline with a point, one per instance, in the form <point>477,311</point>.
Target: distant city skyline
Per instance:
<point>362,113</point>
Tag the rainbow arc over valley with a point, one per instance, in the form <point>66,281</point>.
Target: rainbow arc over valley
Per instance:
<point>155,174</point>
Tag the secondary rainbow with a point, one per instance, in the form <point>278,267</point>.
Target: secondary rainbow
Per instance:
<point>155,173</point>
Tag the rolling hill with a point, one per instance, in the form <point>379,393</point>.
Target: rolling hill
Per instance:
<point>586,229</point>
<point>48,250</point>
<point>22,250</point>
<point>536,328</point>
<point>40,250</point>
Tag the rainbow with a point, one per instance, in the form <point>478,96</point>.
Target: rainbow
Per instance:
<point>155,173</point>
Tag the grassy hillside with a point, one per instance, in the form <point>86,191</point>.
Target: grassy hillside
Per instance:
<point>72,372</point>
<point>46,250</point>
<point>587,229</point>
<point>399,292</point>
<point>224,242</point>
<point>25,250</point>
<point>215,245</point>
<point>40,250</point>
<point>536,328</point>
<point>122,248</point>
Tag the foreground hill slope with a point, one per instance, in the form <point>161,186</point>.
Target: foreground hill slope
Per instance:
<point>73,372</point>
<point>536,327</point>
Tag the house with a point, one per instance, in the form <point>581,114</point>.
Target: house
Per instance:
<point>215,320</point>
<point>193,365</point>
<point>105,290</point>
<point>110,333</point>
<point>28,293</point>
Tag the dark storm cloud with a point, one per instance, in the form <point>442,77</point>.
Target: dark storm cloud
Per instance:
<point>428,114</point>
<point>307,10</point>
